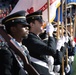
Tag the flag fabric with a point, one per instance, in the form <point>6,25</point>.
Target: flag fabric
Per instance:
<point>75,39</point>
<point>33,5</point>
<point>61,15</point>
<point>61,12</point>
<point>71,2</point>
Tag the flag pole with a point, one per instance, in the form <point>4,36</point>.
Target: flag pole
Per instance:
<point>48,13</point>
<point>48,10</point>
<point>62,26</point>
<point>66,15</point>
<point>58,22</point>
<point>62,6</point>
<point>71,21</point>
<point>66,31</point>
<point>75,23</point>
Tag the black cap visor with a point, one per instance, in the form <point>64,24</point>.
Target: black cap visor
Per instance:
<point>39,18</point>
<point>25,24</point>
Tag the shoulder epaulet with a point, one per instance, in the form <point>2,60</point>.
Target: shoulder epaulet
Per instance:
<point>3,45</point>
<point>2,41</point>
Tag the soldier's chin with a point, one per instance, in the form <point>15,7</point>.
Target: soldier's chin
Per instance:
<point>41,28</point>
<point>26,36</point>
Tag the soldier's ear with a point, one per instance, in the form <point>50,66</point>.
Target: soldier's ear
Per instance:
<point>31,24</point>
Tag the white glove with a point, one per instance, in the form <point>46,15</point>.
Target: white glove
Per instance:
<point>52,73</point>
<point>71,38</point>
<point>51,60</point>
<point>67,69</point>
<point>56,68</point>
<point>60,43</point>
<point>63,73</point>
<point>63,40</point>
<point>71,59</point>
<point>50,63</point>
<point>59,73</point>
<point>66,39</point>
<point>49,29</point>
<point>73,43</point>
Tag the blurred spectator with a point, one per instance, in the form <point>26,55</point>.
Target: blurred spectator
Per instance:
<point>6,7</point>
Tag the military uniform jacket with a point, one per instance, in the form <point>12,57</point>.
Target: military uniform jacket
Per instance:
<point>38,49</point>
<point>9,64</point>
<point>71,50</point>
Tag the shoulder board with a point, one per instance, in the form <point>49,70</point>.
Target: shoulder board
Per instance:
<point>2,42</point>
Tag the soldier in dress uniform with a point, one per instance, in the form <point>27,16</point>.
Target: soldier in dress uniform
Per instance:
<point>66,42</point>
<point>70,44</point>
<point>17,27</point>
<point>39,50</point>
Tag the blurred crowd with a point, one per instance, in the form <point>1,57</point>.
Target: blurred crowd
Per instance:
<point>6,7</point>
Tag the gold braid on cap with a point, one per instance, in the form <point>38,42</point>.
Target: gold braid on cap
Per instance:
<point>33,16</point>
<point>14,18</point>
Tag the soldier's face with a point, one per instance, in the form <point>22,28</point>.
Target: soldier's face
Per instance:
<point>37,26</point>
<point>21,31</point>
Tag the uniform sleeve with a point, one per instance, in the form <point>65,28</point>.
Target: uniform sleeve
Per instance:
<point>71,51</point>
<point>39,47</point>
<point>5,62</point>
